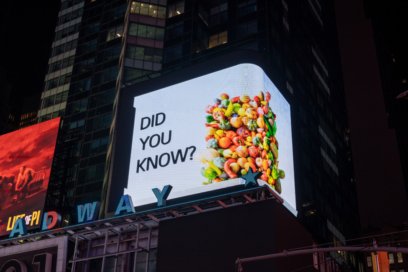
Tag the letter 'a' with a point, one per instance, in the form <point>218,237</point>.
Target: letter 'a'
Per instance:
<point>19,228</point>
<point>125,205</point>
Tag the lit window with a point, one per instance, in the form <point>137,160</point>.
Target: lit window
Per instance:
<point>115,32</point>
<point>219,39</point>
<point>148,10</point>
<point>146,31</point>
<point>391,257</point>
<point>176,9</point>
<point>369,261</point>
<point>399,257</point>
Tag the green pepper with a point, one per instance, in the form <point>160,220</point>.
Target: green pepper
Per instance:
<point>210,119</point>
<point>270,132</point>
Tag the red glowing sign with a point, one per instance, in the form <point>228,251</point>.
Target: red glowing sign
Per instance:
<point>25,165</point>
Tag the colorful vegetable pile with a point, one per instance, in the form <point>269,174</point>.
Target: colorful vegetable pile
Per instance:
<point>240,134</point>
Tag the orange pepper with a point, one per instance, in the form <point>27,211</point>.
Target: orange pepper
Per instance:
<point>230,134</point>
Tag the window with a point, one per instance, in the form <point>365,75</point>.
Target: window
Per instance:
<point>61,97</point>
<point>219,18</point>
<point>65,79</point>
<point>71,45</point>
<point>46,117</point>
<point>98,146</point>
<point>89,46</point>
<point>86,65</point>
<point>91,29</point>
<point>131,74</point>
<point>68,62</point>
<point>174,30</point>
<point>148,10</point>
<point>144,53</point>
<point>51,84</point>
<point>118,12</point>
<point>391,257</point>
<point>401,270</point>
<point>246,8</point>
<point>112,53</point>
<point>176,9</point>
<point>66,32</point>
<point>80,106</point>
<point>95,173</point>
<point>203,14</point>
<point>64,47</point>
<point>399,257</point>
<point>70,16</point>
<point>369,261</point>
<point>247,29</point>
<point>109,74</point>
<point>55,66</point>
<point>83,85</point>
<point>219,39</point>
<point>106,97</point>
<point>172,53</point>
<point>115,32</point>
<point>70,3</point>
<point>103,121</point>
<point>77,125</point>
<point>146,31</point>
<point>59,50</point>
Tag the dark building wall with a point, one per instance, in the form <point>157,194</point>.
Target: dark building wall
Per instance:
<point>378,171</point>
<point>5,89</point>
<point>213,241</point>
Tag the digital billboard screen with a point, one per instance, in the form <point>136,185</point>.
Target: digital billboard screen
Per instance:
<point>202,134</point>
<point>26,158</point>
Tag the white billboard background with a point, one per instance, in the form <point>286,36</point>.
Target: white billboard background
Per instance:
<point>184,107</point>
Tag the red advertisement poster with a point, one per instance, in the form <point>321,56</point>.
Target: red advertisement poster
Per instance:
<point>26,158</point>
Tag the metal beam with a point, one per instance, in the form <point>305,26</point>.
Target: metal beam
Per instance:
<point>249,199</point>
<point>198,208</point>
<point>176,214</point>
<point>153,218</point>
<point>327,249</point>
<point>222,203</point>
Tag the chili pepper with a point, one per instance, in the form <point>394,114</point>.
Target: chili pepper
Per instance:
<point>235,99</point>
<point>215,168</point>
<point>230,110</point>
<point>227,168</point>
<point>270,129</point>
<point>210,118</point>
<point>265,165</point>
<point>264,154</point>
<point>233,148</point>
<point>213,125</point>
<point>268,96</point>
<point>209,137</point>
<point>218,115</point>
<point>264,177</point>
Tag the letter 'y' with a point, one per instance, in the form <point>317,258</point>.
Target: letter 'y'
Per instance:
<point>162,195</point>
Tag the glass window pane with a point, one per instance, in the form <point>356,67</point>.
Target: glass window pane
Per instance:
<point>158,55</point>
<point>141,31</point>
<point>172,11</point>
<point>144,9</point>
<point>140,51</point>
<point>149,54</point>
<point>90,175</point>
<point>177,52</point>
<point>150,32</point>
<point>153,10</point>
<point>223,38</point>
<point>133,29</point>
<point>161,13</point>
<point>135,8</point>
<point>180,8</point>
<point>160,34</point>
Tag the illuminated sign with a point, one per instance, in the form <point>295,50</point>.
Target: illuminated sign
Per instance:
<point>26,158</point>
<point>203,134</point>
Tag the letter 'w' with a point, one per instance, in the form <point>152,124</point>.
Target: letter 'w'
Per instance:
<point>88,212</point>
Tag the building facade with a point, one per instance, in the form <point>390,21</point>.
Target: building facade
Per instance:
<point>102,46</point>
<point>5,89</point>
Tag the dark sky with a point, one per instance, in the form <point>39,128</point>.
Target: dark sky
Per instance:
<point>26,31</point>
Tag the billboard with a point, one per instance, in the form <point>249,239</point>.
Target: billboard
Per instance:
<point>204,133</point>
<point>26,158</point>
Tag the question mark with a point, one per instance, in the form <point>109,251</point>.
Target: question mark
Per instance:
<point>191,155</point>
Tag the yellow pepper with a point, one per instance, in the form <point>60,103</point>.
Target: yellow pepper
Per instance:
<point>215,168</point>
<point>218,109</point>
<point>230,110</point>
<point>220,132</point>
<point>249,139</point>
